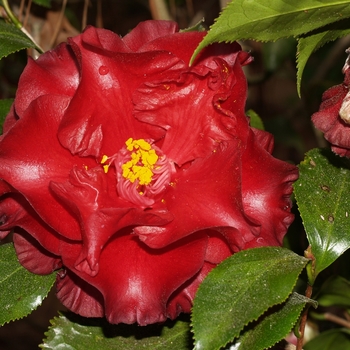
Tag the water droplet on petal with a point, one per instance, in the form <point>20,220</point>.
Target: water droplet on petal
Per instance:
<point>103,70</point>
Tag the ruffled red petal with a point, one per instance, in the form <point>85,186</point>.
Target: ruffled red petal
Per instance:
<point>33,256</point>
<point>327,119</point>
<point>78,295</point>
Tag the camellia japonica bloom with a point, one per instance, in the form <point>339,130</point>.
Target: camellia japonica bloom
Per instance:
<point>333,117</point>
<point>133,174</point>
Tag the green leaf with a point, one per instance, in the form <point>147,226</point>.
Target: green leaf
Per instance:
<point>5,106</point>
<point>46,3</point>
<point>255,120</point>
<point>77,333</point>
<point>312,42</point>
<point>275,326</point>
<point>322,194</point>
<point>12,39</point>
<point>334,292</point>
<point>269,20</point>
<point>241,289</point>
<point>21,291</point>
<point>330,340</point>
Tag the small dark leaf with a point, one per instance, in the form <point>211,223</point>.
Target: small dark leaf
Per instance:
<point>333,339</point>
<point>78,333</point>
<point>5,106</point>
<point>334,292</point>
<point>21,291</point>
<point>322,194</point>
<point>240,290</point>
<point>255,120</point>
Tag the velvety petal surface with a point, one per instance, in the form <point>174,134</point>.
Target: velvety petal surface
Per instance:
<point>30,163</point>
<point>207,195</point>
<point>137,290</point>
<point>266,188</point>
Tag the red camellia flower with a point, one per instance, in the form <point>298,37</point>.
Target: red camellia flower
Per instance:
<point>333,118</point>
<point>134,174</point>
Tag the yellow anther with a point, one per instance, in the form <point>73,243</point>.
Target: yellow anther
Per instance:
<point>143,159</point>
<point>104,159</point>
<point>105,168</point>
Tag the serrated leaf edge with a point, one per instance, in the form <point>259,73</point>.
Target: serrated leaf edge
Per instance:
<point>255,319</point>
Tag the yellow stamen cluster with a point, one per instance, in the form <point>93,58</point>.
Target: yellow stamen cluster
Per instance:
<point>141,164</point>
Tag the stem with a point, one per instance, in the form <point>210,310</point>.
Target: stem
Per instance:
<point>11,15</point>
<point>300,341</point>
<point>19,25</point>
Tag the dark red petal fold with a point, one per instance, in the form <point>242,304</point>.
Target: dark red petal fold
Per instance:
<point>100,212</point>
<point>193,199</point>
<point>327,119</point>
<point>78,295</point>
<point>266,188</point>
<point>33,256</point>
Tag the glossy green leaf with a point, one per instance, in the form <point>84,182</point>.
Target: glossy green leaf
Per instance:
<point>269,20</point>
<point>333,339</point>
<point>46,3</point>
<point>241,289</point>
<point>75,332</point>
<point>12,39</point>
<point>5,106</point>
<point>322,194</point>
<point>21,291</point>
<point>255,120</point>
<point>310,43</point>
<point>334,292</point>
<point>275,325</point>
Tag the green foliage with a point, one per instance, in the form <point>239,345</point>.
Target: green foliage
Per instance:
<point>255,120</point>
<point>314,23</point>
<point>322,194</point>
<point>330,340</point>
<point>45,3</point>
<point>5,106</point>
<point>12,39</point>
<point>74,332</point>
<point>310,43</point>
<point>275,325</point>
<point>240,290</point>
<point>21,291</point>
<point>334,292</point>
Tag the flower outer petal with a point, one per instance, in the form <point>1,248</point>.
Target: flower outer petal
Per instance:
<point>266,189</point>
<point>48,71</point>
<point>16,212</point>
<point>30,163</point>
<point>328,120</point>
<point>78,295</point>
<point>138,289</point>
<point>33,256</point>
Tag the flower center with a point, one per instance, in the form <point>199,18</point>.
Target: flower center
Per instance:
<point>142,162</point>
<point>142,171</point>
